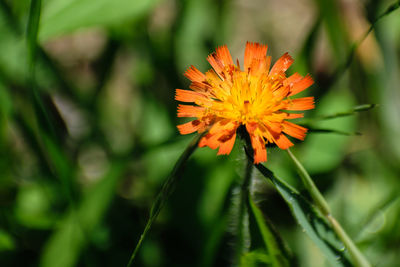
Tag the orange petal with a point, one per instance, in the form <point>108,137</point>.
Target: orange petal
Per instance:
<point>301,85</point>
<point>303,103</point>
<point>291,116</point>
<point>254,51</point>
<point>226,143</point>
<point>190,127</point>
<point>274,127</point>
<point>289,81</point>
<point>212,77</point>
<point>282,64</point>
<point>200,87</point>
<point>190,111</point>
<point>222,134</point>
<point>223,125</point>
<point>251,127</point>
<point>224,55</point>
<point>283,142</point>
<point>294,130</point>
<point>257,142</point>
<point>194,74</point>
<point>217,64</point>
<point>260,152</point>
<point>189,96</point>
<point>204,140</point>
<point>281,92</point>
<point>260,66</point>
<point>212,141</point>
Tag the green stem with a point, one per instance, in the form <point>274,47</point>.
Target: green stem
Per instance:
<point>242,229</point>
<point>323,206</point>
<point>317,197</point>
<point>166,191</point>
<point>355,253</point>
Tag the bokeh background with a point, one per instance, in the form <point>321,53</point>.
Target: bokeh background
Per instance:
<point>79,172</point>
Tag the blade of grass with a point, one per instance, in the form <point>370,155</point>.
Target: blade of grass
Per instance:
<point>43,116</point>
<point>33,29</point>
<point>166,191</point>
<point>278,256</point>
<point>323,206</point>
<point>341,69</point>
<point>316,130</point>
<point>42,56</point>
<point>354,47</point>
<point>353,111</point>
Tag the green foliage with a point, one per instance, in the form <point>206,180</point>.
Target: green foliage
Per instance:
<point>66,243</point>
<point>313,224</point>
<point>277,254</point>
<point>88,136</point>
<point>57,14</point>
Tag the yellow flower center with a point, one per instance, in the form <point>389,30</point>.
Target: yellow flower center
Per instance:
<point>245,98</point>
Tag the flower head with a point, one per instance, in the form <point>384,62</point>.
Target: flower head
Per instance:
<point>257,97</point>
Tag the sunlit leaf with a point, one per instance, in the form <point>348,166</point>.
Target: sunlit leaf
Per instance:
<point>57,14</point>
<point>255,258</point>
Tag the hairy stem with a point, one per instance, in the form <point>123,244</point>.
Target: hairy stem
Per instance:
<point>242,220</point>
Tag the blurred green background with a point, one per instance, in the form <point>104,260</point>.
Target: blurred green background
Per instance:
<point>86,147</point>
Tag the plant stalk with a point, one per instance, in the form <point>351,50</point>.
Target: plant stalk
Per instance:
<point>317,197</point>
<point>320,202</point>
<point>242,220</point>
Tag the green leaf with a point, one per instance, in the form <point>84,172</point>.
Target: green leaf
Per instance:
<point>7,242</point>
<point>278,256</point>
<point>353,111</point>
<point>33,28</point>
<point>42,103</point>
<point>321,130</point>
<point>64,16</point>
<point>255,258</point>
<point>312,223</point>
<point>66,243</point>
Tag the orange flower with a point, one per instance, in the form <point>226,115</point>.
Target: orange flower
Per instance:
<point>257,97</point>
